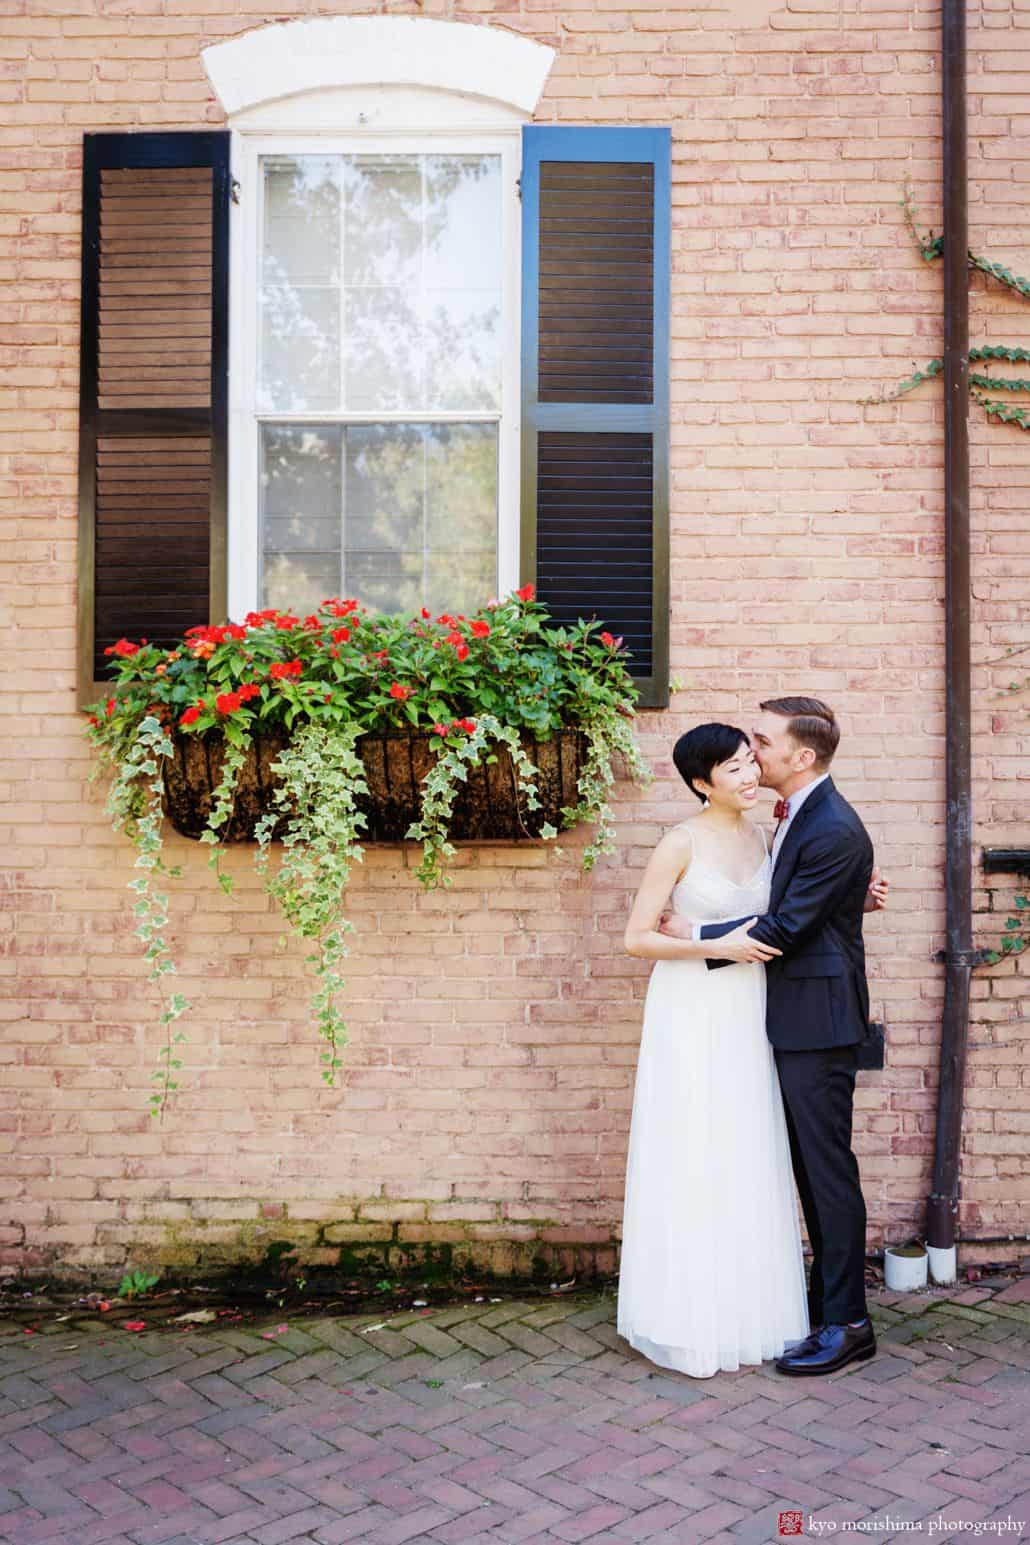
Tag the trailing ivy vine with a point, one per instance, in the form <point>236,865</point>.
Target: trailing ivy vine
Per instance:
<point>982,384</point>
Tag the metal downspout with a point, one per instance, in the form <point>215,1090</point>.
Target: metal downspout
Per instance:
<point>942,1208</point>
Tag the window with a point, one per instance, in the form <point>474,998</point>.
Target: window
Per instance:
<point>290,395</point>
<point>374,370</point>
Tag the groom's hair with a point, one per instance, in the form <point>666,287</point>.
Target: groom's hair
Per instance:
<point>701,749</point>
<point>812,723</point>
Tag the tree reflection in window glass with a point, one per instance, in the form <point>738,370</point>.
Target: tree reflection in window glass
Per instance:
<point>380,293</point>
<point>395,514</point>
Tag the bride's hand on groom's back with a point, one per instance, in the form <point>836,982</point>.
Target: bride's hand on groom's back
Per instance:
<point>876,895</point>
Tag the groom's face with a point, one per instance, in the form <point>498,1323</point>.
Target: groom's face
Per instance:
<point>780,757</point>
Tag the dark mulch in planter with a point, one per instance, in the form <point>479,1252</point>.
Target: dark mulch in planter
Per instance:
<point>487,807</point>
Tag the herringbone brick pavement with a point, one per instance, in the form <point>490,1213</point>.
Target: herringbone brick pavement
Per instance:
<point>509,1421</point>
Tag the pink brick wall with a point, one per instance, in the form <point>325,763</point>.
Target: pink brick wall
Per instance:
<point>494,1029</point>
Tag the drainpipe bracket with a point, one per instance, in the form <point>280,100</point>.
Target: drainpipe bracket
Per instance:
<point>970,958</point>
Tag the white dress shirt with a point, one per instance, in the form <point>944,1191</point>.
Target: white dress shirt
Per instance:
<point>794,803</point>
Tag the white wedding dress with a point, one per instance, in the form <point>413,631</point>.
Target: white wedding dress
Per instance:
<point>712,1274</point>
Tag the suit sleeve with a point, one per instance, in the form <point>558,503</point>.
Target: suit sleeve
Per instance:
<point>825,872</point>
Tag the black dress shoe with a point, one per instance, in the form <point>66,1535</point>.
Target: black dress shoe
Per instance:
<point>828,1349</point>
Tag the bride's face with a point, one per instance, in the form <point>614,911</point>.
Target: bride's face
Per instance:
<point>734,784</point>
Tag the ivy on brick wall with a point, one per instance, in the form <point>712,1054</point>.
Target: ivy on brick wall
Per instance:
<point>982,384</point>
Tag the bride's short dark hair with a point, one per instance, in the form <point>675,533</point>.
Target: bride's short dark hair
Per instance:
<point>701,749</point>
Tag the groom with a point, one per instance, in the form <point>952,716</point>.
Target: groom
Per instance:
<point>817,1010</point>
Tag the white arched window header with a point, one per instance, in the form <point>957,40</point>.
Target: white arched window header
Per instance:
<point>301,58</point>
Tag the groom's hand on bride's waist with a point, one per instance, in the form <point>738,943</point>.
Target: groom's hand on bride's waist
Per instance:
<point>737,947</point>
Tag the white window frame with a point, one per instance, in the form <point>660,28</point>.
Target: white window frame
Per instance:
<point>244,332</point>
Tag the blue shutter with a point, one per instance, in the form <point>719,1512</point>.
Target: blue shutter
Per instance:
<point>153,389</point>
<point>595,383</point>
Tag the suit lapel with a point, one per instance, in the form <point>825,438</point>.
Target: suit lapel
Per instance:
<point>787,854</point>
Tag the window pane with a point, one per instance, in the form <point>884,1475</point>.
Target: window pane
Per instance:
<point>395,514</point>
<point>461,298</point>
<point>407,250</point>
<point>300,515</point>
<point>384,360</point>
<point>300,279</point>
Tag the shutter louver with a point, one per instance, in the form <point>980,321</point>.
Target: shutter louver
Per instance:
<point>596,282</point>
<point>595,383</point>
<point>153,391</point>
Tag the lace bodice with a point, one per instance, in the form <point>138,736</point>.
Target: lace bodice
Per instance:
<point>708,896</point>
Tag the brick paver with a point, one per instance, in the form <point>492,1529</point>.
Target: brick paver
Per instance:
<point>514,1422</point>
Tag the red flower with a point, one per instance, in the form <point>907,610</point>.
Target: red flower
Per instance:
<point>426,612</point>
<point>203,634</point>
<point>439,729</point>
<point>468,725</point>
<point>123,649</point>
<point>283,670</point>
<point>228,702</point>
<point>248,690</point>
<point>341,635</point>
<point>526,593</point>
<point>380,654</point>
<point>611,643</point>
<point>399,692</point>
<point>462,651</point>
<point>112,704</point>
<point>447,620</point>
<point>286,620</point>
<point>192,714</point>
<point>481,629</point>
<point>454,638</point>
<point>258,619</point>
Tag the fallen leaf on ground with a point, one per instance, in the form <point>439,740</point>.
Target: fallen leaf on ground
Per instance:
<point>134,1325</point>
<point>196,1317</point>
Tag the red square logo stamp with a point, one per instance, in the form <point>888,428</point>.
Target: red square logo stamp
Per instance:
<point>790,1523</point>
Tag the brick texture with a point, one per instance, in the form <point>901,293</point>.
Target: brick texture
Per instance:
<point>485,1103</point>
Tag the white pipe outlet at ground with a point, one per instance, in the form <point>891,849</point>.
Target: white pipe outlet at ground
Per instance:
<point>904,1268</point>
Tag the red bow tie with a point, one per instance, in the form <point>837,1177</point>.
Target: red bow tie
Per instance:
<point>781,810</point>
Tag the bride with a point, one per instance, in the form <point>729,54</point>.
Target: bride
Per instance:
<point>712,1275</point>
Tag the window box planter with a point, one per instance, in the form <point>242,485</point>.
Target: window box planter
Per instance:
<point>487,808</point>
<point>347,727</point>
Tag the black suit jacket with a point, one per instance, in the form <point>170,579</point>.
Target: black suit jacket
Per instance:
<point>817,990</point>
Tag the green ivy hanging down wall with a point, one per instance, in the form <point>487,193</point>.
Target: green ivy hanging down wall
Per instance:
<point>981,385</point>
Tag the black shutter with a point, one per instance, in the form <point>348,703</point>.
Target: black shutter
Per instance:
<point>595,383</point>
<point>153,389</point>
